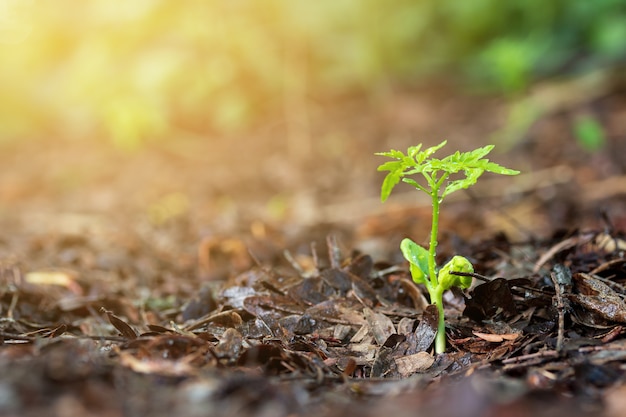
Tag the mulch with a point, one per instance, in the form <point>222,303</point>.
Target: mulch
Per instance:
<point>322,332</point>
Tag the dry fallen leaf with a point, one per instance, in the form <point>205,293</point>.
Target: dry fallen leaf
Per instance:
<point>496,338</point>
<point>596,296</point>
<point>121,326</point>
<point>156,366</point>
<point>60,278</point>
<point>380,325</point>
<point>419,362</point>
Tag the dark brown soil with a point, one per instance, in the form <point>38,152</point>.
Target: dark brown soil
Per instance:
<point>261,275</point>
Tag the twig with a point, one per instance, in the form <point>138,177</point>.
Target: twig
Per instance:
<point>560,307</point>
<point>293,262</point>
<point>12,306</point>
<point>487,279</point>
<point>561,246</point>
<point>390,270</point>
<point>316,260</point>
<point>606,265</point>
<point>530,359</point>
<point>334,253</point>
<point>473,275</point>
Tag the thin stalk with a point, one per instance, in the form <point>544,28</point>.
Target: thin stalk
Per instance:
<point>440,340</point>
<point>435,290</point>
<point>432,248</point>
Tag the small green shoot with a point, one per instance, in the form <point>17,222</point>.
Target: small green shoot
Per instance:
<point>440,182</point>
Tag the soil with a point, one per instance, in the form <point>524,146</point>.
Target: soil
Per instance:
<point>259,275</point>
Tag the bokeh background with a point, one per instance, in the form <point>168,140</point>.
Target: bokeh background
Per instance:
<point>147,70</point>
<point>274,108</point>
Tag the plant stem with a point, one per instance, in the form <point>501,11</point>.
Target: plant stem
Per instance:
<point>432,249</point>
<point>434,289</point>
<point>436,297</point>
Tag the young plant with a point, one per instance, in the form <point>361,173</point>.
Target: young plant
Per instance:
<point>441,181</point>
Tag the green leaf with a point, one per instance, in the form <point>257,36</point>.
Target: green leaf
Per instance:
<point>459,161</point>
<point>426,153</point>
<point>418,276</point>
<point>448,280</point>
<point>417,257</point>
<point>390,181</point>
<point>414,183</point>
<point>413,150</point>
<point>472,163</point>
<point>390,166</point>
<point>476,154</point>
<point>499,169</point>
<point>392,154</point>
<point>471,176</point>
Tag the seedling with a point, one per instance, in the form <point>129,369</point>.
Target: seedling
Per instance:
<point>442,179</point>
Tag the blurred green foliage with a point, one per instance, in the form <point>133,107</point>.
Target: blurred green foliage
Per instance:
<point>133,71</point>
<point>589,133</point>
